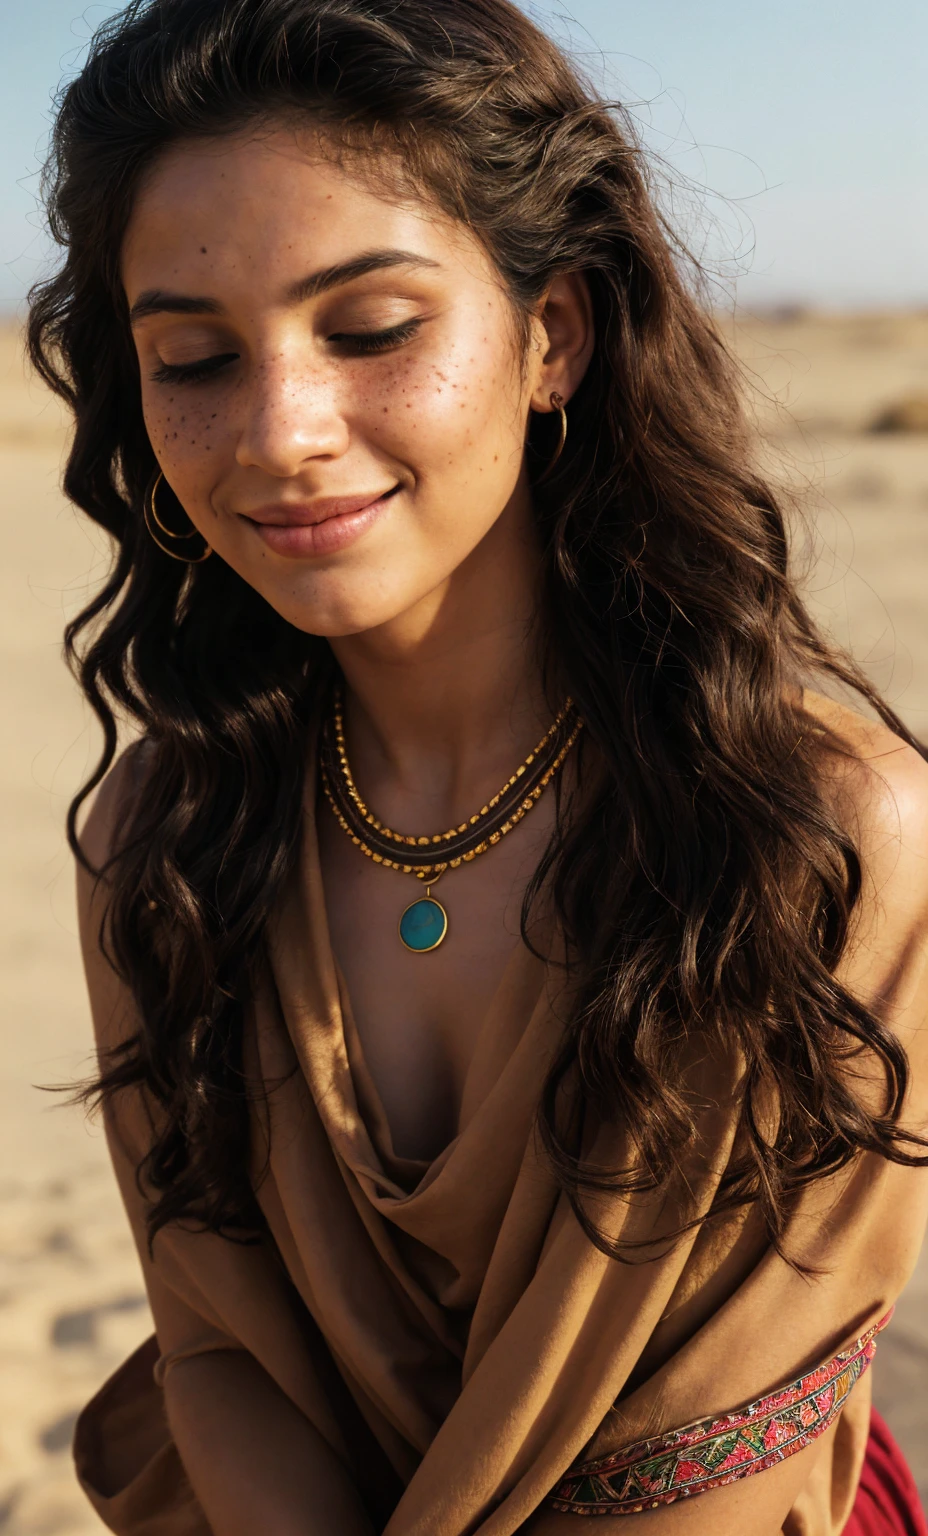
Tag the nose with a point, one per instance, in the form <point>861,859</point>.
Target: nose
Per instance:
<point>292,416</point>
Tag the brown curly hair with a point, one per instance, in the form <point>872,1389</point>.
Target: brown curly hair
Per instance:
<point>704,887</point>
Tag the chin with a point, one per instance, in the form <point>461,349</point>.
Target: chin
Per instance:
<point>335,616</point>
<point>348,597</point>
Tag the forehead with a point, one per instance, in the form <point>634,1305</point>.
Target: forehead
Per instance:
<point>256,207</point>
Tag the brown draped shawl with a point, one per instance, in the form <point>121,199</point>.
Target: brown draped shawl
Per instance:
<point>449,1329</point>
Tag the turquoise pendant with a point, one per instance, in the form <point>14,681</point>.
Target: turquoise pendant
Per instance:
<point>423,925</point>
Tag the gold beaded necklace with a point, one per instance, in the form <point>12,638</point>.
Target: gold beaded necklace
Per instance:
<point>424,923</point>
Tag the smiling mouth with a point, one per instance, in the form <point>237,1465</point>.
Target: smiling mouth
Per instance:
<point>304,530</point>
<point>309,514</point>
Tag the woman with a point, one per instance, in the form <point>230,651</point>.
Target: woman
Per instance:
<point>472,1154</point>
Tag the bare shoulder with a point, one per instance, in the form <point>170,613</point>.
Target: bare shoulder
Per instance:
<point>878,788</point>
<point>112,803</point>
<point>111,806</point>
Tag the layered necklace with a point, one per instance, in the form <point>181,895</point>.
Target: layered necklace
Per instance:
<point>423,925</point>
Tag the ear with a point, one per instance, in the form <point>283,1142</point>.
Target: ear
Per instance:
<point>562,340</point>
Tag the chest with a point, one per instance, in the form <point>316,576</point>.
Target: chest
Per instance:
<point>418,1015</point>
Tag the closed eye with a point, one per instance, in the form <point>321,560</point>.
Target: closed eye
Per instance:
<point>192,373</point>
<point>365,342</point>
<point>360,342</point>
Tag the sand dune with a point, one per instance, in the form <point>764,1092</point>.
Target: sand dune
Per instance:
<point>71,1303</point>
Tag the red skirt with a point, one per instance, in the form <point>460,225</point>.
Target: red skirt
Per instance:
<point>887,1502</point>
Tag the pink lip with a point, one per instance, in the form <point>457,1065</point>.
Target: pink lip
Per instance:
<point>320,527</point>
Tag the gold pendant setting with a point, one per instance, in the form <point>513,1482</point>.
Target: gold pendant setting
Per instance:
<point>424,925</point>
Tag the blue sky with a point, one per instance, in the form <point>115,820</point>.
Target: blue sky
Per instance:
<point>795,136</point>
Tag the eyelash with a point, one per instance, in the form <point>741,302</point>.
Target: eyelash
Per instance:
<point>364,343</point>
<point>367,342</point>
<point>191,373</point>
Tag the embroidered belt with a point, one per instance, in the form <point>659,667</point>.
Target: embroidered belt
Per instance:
<point>712,1452</point>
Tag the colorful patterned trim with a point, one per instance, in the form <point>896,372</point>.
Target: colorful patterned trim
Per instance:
<point>718,1450</point>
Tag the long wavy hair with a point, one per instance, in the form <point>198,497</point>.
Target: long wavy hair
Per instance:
<point>704,886</point>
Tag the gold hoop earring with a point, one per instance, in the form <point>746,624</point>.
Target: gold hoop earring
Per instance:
<point>150,515</point>
<point>557,404</point>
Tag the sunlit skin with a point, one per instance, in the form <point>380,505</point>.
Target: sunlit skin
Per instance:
<point>427,586</point>
<point>406,383</point>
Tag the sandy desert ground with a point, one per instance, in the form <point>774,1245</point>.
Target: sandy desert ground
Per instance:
<point>71,1303</point>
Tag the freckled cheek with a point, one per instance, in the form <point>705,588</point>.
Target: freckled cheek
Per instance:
<point>450,409</point>
<point>188,443</point>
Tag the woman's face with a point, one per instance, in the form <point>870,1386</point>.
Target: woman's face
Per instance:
<point>332,380</point>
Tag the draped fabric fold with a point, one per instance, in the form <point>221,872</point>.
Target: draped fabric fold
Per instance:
<point>453,1316</point>
<point>715,1452</point>
<point>887,1502</point>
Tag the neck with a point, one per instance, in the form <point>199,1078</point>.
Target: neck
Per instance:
<point>442,703</point>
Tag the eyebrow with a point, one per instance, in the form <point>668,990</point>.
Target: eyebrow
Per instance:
<point>158,301</point>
